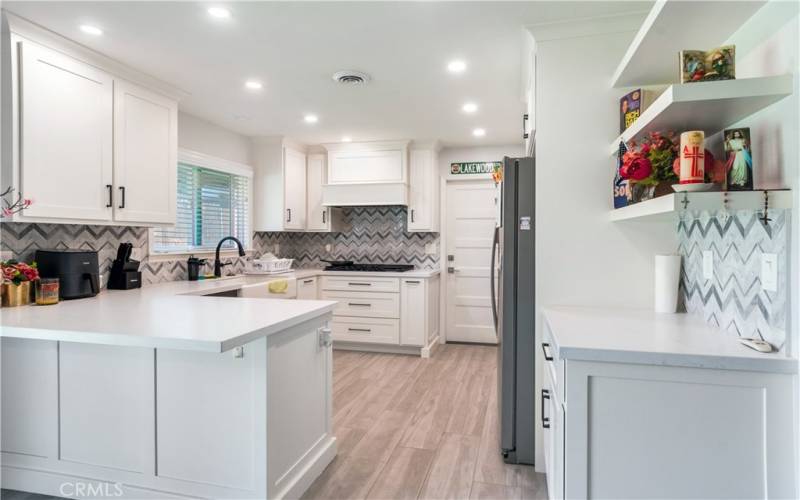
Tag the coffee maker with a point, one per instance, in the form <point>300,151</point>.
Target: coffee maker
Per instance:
<point>78,271</point>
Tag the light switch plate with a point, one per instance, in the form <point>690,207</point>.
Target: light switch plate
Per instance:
<point>328,247</point>
<point>769,272</point>
<point>708,264</point>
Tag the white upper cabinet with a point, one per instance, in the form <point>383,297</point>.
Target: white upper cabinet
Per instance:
<point>368,162</point>
<point>145,155</point>
<point>319,218</point>
<point>279,185</point>
<point>294,182</point>
<point>423,204</point>
<point>65,136</point>
<point>85,144</point>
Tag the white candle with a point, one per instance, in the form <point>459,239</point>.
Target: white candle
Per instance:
<point>692,157</point>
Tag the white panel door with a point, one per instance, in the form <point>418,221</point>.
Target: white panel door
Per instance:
<point>318,215</point>
<point>294,179</point>
<point>145,155</point>
<point>471,219</point>
<point>65,136</point>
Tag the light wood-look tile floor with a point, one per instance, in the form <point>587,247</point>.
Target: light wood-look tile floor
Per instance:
<point>420,428</point>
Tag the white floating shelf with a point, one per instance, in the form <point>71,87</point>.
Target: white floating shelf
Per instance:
<point>669,206</point>
<point>675,25</point>
<point>706,106</point>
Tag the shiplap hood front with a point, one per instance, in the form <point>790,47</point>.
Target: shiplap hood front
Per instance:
<point>366,174</point>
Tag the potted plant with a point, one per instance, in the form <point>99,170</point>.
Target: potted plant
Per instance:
<point>647,165</point>
<point>16,287</point>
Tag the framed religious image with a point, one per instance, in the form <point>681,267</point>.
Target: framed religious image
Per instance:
<point>738,159</point>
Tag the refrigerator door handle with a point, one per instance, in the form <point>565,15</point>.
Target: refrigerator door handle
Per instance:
<point>495,242</point>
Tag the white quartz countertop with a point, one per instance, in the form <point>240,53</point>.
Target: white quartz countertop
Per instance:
<point>644,337</point>
<point>170,315</point>
<point>175,315</point>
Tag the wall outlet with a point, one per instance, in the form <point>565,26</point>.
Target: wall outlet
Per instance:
<point>708,264</point>
<point>6,255</point>
<point>769,272</point>
<point>276,249</point>
<point>328,247</point>
<point>431,248</point>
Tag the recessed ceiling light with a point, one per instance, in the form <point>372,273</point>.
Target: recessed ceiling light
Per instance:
<point>219,12</point>
<point>457,66</point>
<point>311,118</point>
<point>253,85</point>
<point>346,139</point>
<point>91,30</point>
<point>479,132</point>
<point>469,107</point>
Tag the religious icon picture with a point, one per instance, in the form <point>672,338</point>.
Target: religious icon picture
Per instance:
<point>709,65</point>
<point>738,159</point>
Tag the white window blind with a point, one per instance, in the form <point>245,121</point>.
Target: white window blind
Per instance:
<point>211,205</point>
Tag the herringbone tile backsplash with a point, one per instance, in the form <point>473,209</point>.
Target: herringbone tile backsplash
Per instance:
<point>734,299</point>
<point>372,234</point>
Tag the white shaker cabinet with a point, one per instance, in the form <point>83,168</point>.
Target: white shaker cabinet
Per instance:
<point>419,311</point>
<point>279,185</point>
<point>307,288</point>
<point>65,136</point>
<point>423,203</point>
<point>145,155</point>
<point>319,218</point>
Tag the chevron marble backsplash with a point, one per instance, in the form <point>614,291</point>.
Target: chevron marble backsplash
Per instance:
<point>733,299</point>
<point>372,234</point>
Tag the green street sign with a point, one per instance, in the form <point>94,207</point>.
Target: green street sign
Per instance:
<point>475,167</point>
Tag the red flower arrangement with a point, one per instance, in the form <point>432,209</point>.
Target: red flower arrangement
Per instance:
<point>650,161</point>
<point>17,272</point>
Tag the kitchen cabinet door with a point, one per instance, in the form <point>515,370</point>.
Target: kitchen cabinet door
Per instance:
<point>412,312</point>
<point>145,155</point>
<point>66,114</point>
<point>307,289</point>
<point>319,216</point>
<point>294,187</point>
<point>423,206</point>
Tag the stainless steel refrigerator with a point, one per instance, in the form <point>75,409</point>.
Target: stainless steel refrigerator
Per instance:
<point>513,308</point>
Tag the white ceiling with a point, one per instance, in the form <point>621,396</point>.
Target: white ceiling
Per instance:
<point>295,47</point>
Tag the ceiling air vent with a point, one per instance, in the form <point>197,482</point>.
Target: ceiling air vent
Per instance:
<point>351,77</point>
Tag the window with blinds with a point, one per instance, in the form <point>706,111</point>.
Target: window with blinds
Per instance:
<point>211,205</point>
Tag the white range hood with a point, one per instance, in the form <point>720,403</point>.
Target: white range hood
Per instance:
<point>366,174</point>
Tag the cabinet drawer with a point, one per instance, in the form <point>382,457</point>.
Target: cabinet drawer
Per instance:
<point>552,364</point>
<point>359,284</point>
<point>365,304</point>
<point>372,330</point>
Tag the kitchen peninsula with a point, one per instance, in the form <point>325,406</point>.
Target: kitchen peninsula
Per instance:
<point>170,390</point>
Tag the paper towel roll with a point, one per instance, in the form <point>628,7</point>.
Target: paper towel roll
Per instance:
<point>668,276</point>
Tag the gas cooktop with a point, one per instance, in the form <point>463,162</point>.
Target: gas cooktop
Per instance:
<point>349,265</point>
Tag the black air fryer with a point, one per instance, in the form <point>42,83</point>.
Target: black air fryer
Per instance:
<point>78,271</point>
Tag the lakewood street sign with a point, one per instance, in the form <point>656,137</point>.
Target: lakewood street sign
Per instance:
<point>475,167</point>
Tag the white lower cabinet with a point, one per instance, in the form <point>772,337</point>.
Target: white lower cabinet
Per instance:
<point>384,312</point>
<point>625,430</point>
<point>307,288</point>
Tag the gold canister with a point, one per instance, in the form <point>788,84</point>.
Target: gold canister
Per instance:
<point>16,295</point>
<point>46,291</point>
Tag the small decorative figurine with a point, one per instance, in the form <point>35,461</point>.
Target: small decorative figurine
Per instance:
<point>692,154</point>
<point>738,159</point>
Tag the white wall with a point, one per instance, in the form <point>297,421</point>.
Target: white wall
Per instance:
<point>583,259</point>
<point>205,137</point>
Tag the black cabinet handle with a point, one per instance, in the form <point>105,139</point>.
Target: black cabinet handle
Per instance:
<point>412,282</point>
<point>365,330</point>
<point>360,284</point>
<point>122,192</point>
<point>324,214</point>
<point>524,125</point>
<point>288,215</point>
<point>110,195</point>
<point>547,357</point>
<point>545,420</point>
<point>412,215</point>
<point>308,281</point>
<point>358,304</point>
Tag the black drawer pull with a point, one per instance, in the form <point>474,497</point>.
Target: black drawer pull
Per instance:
<point>365,330</point>
<point>412,282</point>
<point>358,304</point>
<point>547,357</point>
<point>110,196</point>
<point>360,284</point>
<point>308,281</point>
<point>122,192</point>
<point>545,420</point>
